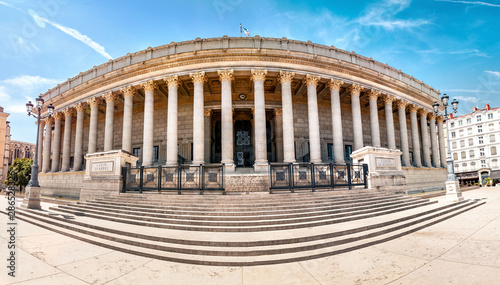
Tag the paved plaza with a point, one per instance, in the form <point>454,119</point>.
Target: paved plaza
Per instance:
<point>460,250</point>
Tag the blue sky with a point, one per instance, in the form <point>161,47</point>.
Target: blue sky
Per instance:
<point>451,45</point>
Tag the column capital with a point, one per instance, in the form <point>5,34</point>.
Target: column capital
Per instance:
<point>259,74</point>
<point>207,112</point>
<point>278,112</point>
<point>198,76</point>
<point>439,119</point>
<point>68,111</point>
<point>413,108</point>
<point>388,99</point>
<point>48,120</point>
<point>335,84</point>
<point>80,106</point>
<point>58,116</point>
<point>402,104</point>
<point>355,88</point>
<point>149,85</point>
<point>109,96</point>
<point>423,112</point>
<point>128,90</point>
<point>172,80</point>
<point>225,74</point>
<point>312,79</point>
<point>374,94</point>
<point>42,123</point>
<point>286,76</point>
<point>93,102</point>
<point>432,116</point>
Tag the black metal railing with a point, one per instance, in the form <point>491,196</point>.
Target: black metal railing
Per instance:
<point>204,177</point>
<point>303,175</point>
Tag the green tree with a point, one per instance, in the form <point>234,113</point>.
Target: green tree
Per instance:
<point>19,173</point>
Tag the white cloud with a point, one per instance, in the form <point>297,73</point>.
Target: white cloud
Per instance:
<point>17,91</point>
<point>471,91</point>
<point>30,81</point>
<point>494,73</point>
<point>474,52</point>
<point>475,3</point>
<point>69,31</point>
<point>467,99</point>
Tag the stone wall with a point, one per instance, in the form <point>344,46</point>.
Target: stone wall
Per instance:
<point>64,184</point>
<point>421,179</point>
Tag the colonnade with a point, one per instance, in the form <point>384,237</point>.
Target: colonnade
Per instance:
<point>432,143</point>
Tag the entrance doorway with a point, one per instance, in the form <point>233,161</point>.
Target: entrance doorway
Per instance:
<point>243,152</point>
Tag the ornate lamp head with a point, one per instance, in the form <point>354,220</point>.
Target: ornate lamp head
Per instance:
<point>50,109</point>
<point>29,107</point>
<point>39,102</point>
<point>454,105</point>
<point>436,107</point>
<point>445,99</point>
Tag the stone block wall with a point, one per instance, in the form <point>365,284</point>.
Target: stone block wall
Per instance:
<point>419,179</point>
<point>64,184</point>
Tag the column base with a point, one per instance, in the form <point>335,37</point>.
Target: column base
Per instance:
<point>453,193</point>
<point>229,167</point>
<point>261,166</point>
<point>31,198</point>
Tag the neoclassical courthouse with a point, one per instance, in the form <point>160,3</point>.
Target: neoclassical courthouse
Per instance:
<point>244,102</point>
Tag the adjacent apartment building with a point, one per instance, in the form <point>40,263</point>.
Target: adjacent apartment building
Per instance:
<point>475,145</point>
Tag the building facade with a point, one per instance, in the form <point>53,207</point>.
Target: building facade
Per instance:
<point>4,146</point>
<point>244,102</point>
<point>475,145</point>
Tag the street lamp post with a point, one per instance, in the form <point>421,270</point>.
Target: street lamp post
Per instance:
<point>32,196</point>
<point>453,193</point>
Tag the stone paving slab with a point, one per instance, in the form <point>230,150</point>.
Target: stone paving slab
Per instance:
<point>460,250</point>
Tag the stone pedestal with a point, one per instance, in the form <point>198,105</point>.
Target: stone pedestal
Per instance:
<point>103,174</point>
<point>384,168</point>
<point>31,198</point>
<point>453,193</point>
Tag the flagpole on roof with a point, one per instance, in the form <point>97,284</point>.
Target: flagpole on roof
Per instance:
<point>240,31</point>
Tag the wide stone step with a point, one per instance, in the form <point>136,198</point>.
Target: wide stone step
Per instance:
<point>192,206</point>
<point>248,256</point>
<point>238,226</point>
<point>251,211</point>
<point>250,216</point>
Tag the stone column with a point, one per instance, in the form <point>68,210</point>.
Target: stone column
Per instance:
<point>149,107</point>
<point>414,136</point>
<point>434,141</point>
<point>226,76</point>
<point>40,145</point>
<point>208,134</point>
<point>47,145</point>
<point>403,133</point>
<point>442,148</point>
<point>389,122</point>
<point>374,125</point>
<point>68,121</point>
<point>172,113</point>
<point>56,145</point>
<point>357,124</point>
<point>80,116</point>
<point>313,118</point>
<point>198,121</point>
<point>426,146</point>
<point>128,96</point>
<point>260,138</point>
<point>286,78</point>
<point>278,133</point>
<point>338,139</point>
<point>94,112</point>
<point>110,98</point>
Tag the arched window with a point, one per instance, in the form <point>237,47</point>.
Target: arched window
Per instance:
<point>455,156</point>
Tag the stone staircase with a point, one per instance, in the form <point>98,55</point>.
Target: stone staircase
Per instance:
<point>243,230</point>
